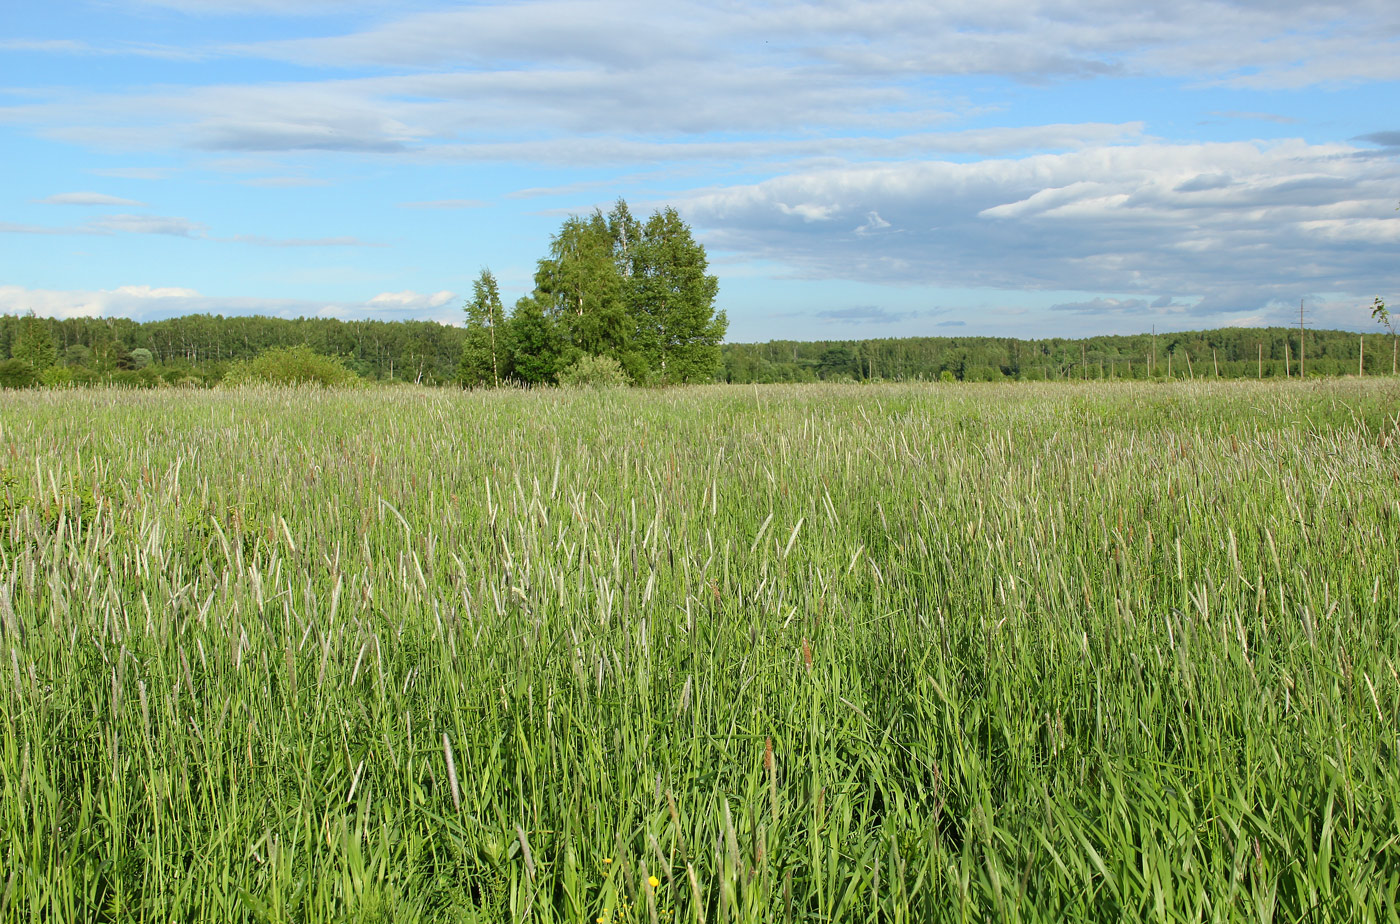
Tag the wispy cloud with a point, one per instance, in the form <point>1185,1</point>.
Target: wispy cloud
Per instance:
<point>9,227</point>
<point>89,198</point>
<point>864,314</point>
<point>134,173</point>
<point>149,224</point>
<point>173,226</point>
<point>73,47</point>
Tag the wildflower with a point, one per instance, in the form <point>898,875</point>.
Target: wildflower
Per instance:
<point>607,859</point>
<point>653,881</point>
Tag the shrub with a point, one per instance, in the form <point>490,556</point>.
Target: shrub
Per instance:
<point>59,376</point>
<point>591,371</point>
<point>16,373</point>
<point>298,365</point>
<point>147,377</point>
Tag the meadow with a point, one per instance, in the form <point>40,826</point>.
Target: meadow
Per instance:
<point>1105,652</point>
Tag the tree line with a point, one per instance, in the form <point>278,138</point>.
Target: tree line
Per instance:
<point>1234,352</point>
<point>202,349</point>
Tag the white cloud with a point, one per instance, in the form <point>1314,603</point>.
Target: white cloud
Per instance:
<point>1257,44</point>
<point>7,227</point>
<point>156,292</point>
<point>134,173</point>
<point>89,198</point>
<point>1286,219</point>
<point>873,224</point>
<point>148,224</point>
<point>411,301</point>
<point>623,81</point>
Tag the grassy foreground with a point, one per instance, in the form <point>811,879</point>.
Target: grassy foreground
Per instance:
<point>1097,652</point>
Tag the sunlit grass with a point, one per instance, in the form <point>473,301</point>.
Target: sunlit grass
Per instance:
<point>903,653</point>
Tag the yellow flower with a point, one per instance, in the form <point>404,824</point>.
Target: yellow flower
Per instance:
<point>607,859</point>
<point>654,882</point>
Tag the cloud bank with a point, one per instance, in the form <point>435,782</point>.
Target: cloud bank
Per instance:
<point>1228,225</point>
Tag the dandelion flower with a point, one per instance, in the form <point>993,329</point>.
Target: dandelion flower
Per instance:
<point>653,881</point>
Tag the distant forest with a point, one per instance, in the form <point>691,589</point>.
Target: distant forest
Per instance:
<point>198,350</point>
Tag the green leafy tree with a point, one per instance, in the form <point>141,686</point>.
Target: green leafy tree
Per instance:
<point>534,343</point>
<point>78,355</point>
<point>671,299</point>
<point>34,345</point>
<point>637,292</point>
<point>836,362</point>
<point>579,287</point>
<point>484,355</point>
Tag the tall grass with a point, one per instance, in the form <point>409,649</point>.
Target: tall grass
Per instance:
<point>811,653</point>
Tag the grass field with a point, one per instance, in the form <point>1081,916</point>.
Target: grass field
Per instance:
<point>905,653</point>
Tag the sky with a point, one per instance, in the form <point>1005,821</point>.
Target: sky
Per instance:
<point>854,169</point>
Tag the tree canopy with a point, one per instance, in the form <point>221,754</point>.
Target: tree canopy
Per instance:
<point>636,292</point>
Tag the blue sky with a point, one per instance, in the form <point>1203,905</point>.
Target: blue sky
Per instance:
<point>855,169</point>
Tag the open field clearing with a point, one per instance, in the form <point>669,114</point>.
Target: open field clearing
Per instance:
<point>836,653</point>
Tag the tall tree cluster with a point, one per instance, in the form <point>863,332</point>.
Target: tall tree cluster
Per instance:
<point>637,292</point>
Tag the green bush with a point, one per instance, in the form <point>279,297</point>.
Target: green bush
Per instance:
<point>16,373</point>
<point>59,376</point>
<point>591,371</point>
<point>298,365</point>
<point>147,377</point>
